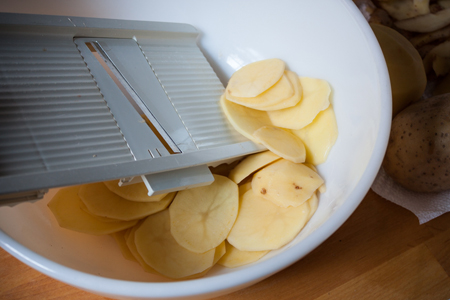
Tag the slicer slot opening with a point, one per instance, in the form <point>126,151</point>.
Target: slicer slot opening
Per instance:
<point>128,92</point>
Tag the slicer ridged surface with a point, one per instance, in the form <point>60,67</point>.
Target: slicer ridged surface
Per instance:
<point>194,90</point>
<point>43,83</point>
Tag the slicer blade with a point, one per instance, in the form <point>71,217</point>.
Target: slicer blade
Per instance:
<point>65,113</point>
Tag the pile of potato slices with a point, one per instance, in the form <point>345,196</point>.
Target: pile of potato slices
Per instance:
<point>255,205</point>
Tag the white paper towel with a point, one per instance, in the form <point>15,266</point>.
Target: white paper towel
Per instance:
<point>426,206</point>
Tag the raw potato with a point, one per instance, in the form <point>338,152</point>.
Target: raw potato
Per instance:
<point>235,258</point>
<point>406,70</point>
<point>442,50</point>
<point>322,189</point>
<point>65,206</point>
<point>281,90</point>
<point>316,95</point>
<point>405,9</point>
<point>102,202</point>
<point>132,192</point>
<point>285,183</point>
<point>245,120</point>
<point>130,241</point>
<point>426,23</point>
<point>282,142</point>
<point>202,217</point>
<point>251,164</point>
<point>161,251</point>
<point>418,153</point>
<point>253,79</point>
<point>319,136</point>
<point>262,225</point>
<point>121,241</point>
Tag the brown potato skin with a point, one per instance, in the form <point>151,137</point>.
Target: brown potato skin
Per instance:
<point>418,152</point>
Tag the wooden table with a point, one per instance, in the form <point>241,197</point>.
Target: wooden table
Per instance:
<point>381,252</point>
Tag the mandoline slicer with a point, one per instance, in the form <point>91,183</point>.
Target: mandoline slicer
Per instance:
<point>74,93</point>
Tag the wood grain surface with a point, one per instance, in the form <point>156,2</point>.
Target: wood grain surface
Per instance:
<point>381,252</point>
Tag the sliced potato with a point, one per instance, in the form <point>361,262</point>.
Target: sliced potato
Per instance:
<point>254,78</point>
<point>130,241</point>
<point>103,219</point>
<point>133,192</point>
<point>202,217</point>
<point>428,37</point>
<point>316,97</point>
<point>322,189</point>
<point>251,164</point>
<point>282,142</point>
<point>121,241</point>
<point>426,23</point>
<point>65,206</point>
<point>102,202</point>
<point>313,203</point>
<point>285,183</point>
<point>263,225</point>
<point>442,50</point>
<point>282,89</point>
<point>319,136</point>
<point>235,258</point>
<point>405,9</point>
<point>162,252</point>
<point>245,120</point>
<point>243,188</point>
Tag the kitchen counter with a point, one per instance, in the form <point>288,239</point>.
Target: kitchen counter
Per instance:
<point>381,252</point>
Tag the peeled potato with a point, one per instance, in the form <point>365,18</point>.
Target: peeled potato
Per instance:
<point>282,89</point>
<point>121,241</point>
<point>313,203</point>
<point>291,101</point>
<point>285,183</point>
<point>263,225</point>
<point>103,219</point>
<point>243,188</point>
<point>282,142</point>
<point>319,136</point>
<point>316,95</point>
<point>130,241</point>
<point>202,217</point>
<point>322,189</point>
<point>251,164</point>
<point>254,78</point>
<point>65,206</point>
<point>102,202</point>
<point>235,258</point>
<point>133,192</point>
<point>162,252</point>
<point>245,120</point>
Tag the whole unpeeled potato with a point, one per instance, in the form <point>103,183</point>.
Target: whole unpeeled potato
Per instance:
<point>418,153</point>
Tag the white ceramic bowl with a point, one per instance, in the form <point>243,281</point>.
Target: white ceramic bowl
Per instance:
<point>327,39</point>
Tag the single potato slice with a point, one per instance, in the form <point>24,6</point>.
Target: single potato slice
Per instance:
<point>103,219</point>
<point>100,201</point>
<point>245,120</point>
<point>316,97</point>
<point>313,203</point>
<point>121,241</point>
<point>319,136</point>
<point>202,217</point>
<point>130,241</point>
<point>133,192</point>
<point>65,206</point>
<point>250,164</point>
<point>322,189</point>
<point>285,183</point>
<point>291,101</point>
<point>281,90</point>
<point>254,78</point>
<point>243,188</point>
<point>282,142</point>
<point>162,252</point>
<point>235,258</point>
<point>263,225</point>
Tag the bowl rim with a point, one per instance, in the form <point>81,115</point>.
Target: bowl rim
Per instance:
<point>224,283</point>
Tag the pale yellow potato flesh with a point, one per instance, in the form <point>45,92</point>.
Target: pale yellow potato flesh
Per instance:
<point>313,203</point>
<point>262,225</point>
<point>101,201</point>
<point>322,189</point>
<point>245,120</point>
<point>291,101</point>
<point>319,136</point>
<point>234,258</point>
<point>202,217</point>
<point>251,164</point>
<point>103,219</point>
<point>130,241</point>
<point>133,192</point>
<point>65,206</point>
<point>162,252</point>
<point>282,142</point>
<point>316,97</point>
<point>282,89</point>
<point>285,183</point>
<point>254,78</point>
<point>121,241</point>
<point>243,188</point>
